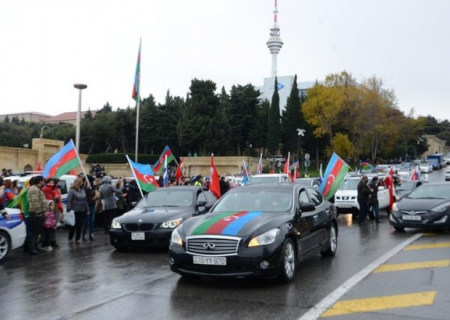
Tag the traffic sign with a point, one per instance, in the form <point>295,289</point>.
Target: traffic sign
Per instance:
<point>307,156</point>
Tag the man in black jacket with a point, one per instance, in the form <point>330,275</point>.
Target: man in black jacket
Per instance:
<point>373,201</point>
<point>364,192</point>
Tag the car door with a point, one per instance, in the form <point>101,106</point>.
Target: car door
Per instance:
<point>383,195</point>
<point>308,222</point>
<point>322,218</point>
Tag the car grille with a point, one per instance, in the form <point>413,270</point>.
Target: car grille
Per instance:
<point>138,227</point>
<point>213,246</point>
<point>412,212</point>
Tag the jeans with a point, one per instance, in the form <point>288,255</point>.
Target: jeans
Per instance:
<point>47,235</point>
<point>363,210</point>
<point>376,210</point>
<point>79,217</point>
<point>35,222</point>
<point>89,220</point>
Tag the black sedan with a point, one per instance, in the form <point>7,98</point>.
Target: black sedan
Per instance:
<point>260,230</point>
<point>152,221</point>
<point>427,207</point>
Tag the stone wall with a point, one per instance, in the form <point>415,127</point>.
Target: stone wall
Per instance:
<point>18,158</point>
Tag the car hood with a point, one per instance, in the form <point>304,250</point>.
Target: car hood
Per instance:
<point>155,214</point>
<point>234,223</point>
<point>346,193</point>
<point>420,204</point>
<point>402,193</point>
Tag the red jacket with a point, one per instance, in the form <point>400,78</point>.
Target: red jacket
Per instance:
<point>49,192</point>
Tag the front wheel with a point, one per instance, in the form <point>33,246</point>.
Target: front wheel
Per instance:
<point>331,251</point>
<point>288,262</point>
<point>5,245</point>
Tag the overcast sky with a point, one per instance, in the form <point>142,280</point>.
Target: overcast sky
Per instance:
<point>48,45</point>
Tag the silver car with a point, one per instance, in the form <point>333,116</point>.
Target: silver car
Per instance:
<point>447,175</point>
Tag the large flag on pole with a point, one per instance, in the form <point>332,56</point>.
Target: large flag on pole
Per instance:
<point>62,162</point>
<point>165,174</point>
<point>144,175</point>
<point>334,175</point>
<point>260,166</point>
<point>214,185</point>
<point>137,77</point>
<point>179,172</point>
<point>159,165</point>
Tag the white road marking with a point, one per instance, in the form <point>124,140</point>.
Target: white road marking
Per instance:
<point>333,297</point>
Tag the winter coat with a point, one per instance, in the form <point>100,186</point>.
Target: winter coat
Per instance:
<point>77,201</point>
<point>107,195</point>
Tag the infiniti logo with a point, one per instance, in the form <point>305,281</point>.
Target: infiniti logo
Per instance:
<point>209,246</point>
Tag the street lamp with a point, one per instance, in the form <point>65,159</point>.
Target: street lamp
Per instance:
<point>42,130</point>
<point>80,87</point>
<point>300,133</point>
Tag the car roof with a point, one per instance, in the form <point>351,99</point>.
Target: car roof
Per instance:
<point>269,175</point>
<point>268,186</point>
<point>179,188</point>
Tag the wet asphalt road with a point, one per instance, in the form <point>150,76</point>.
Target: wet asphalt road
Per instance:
<point>93,281</point>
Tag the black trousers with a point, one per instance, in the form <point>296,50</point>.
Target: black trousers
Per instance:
<point>79,217</point>
<point>108,215</point>
<point>36,222</point>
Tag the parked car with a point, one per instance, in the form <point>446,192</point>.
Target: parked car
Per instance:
<point>427,207</point>
<point>256,231</point>
<point>272,178</point>
<point>447,175</point>
<point>425,167</point>
<point>153,219</point>
<point>346,200</point>
<point>12,232</point>
<point>404,188</point>
<point>311,182</point>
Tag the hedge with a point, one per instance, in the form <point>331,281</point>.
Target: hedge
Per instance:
<point>120,158</point>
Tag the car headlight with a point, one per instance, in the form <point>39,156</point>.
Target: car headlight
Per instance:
<point>115,225</point>
<point>265,238</point>
<point>440,208</point>
<point>172,224</point>
<point>176,238</point>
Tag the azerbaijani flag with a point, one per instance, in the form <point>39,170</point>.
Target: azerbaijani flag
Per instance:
<point>334,175</point>
<point>144,175</point>
<point>214,185</point>
<point>226,223</point>
<point>137,76</point>
<point>366,166</point>
<point>62,162</point>
<point>159,165</point>
<point>260,166</point>
<point>245,174</point>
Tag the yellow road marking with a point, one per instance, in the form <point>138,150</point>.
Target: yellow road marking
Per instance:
<point>430,234</point>
<point>428,246</point>
<point>412,266</point>
<point>381,303</point>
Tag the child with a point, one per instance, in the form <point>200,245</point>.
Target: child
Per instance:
<point>49,226</point>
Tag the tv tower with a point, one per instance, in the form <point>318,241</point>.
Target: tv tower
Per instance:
<point>274,43</point>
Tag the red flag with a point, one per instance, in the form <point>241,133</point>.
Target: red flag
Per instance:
<point>214,185</point>
<point>389,183</point>
<point>286,168</point>
<point>38,167</point>
<point>271,171</point>
<point>296,173</point>
<point>179,172</point>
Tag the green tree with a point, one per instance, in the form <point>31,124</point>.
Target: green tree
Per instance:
<point>273,128</point>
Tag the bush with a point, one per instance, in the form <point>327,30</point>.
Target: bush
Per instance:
<point>120,158</point>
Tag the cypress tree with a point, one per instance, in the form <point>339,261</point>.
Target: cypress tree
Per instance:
<point>273,130</point>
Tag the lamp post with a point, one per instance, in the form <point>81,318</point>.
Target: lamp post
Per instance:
<point>42,130</point>
<point>80,87</point>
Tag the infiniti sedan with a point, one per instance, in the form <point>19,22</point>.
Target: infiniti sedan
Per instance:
<point>256,231</point>
<point>427,207</point>
<point>151,222</point>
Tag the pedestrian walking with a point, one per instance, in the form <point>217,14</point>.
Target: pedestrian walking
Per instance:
<point>363,199</point>
<point>37,206</point>
<point>77,201</point>
<point>89,219</point>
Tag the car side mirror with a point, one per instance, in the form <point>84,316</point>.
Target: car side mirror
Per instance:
<point>200,210</point>
<point>307,207</point>
<point>201,203</point>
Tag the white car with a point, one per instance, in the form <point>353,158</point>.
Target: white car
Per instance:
<point>345,199</point>
<point>425,167</point>
<point>271,178</point>
<point>447,175</point>
<point>12,232</point>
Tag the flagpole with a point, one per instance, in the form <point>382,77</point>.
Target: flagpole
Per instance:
<point>132,171</point>
<point>138,102</point>
<point>82,167</point>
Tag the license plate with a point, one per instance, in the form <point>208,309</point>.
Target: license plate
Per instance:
<point>344,205</point>
<point>216,261</point>
<point>413,218</point>
<point>137,236</point>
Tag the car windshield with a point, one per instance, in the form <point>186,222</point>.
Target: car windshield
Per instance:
<point>263,180</point>
<point>349,184</point>
<point>431,191</point>
<point>256,200</point>
<point>405,186</point>
<point>167,198</point>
